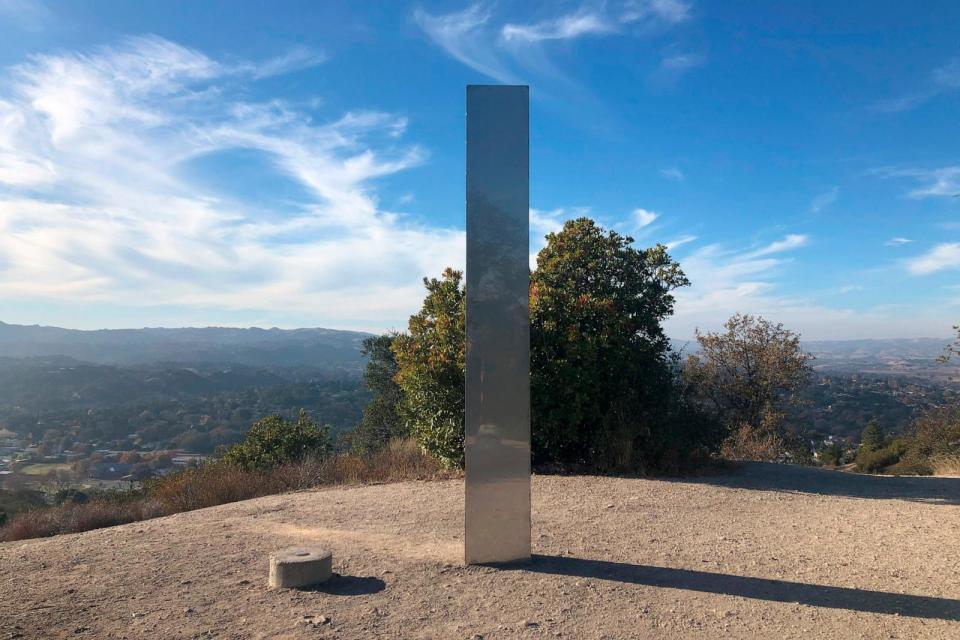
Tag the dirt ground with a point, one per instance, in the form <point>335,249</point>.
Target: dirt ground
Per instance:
<point>767,552</point>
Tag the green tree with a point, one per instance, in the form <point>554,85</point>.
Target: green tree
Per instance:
<point>601,380</point>
<point>430,369</point>
<point>831,454</point>
<point>872,436</point>
<point>749,374</point>
<point>381,421</point>
<point>274,440</point>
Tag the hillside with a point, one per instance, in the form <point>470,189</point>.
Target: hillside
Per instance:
<point>328,349</point>
<point>769,552</point>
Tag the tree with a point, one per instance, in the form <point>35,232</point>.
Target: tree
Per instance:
<point>381,421</point>
<point>601,381</point>
<point>872,436</point>
<point>831,454</point>
<point>953,349</point>
<point>749,374</point>
<point>275,440</point>
<point>430,369</point>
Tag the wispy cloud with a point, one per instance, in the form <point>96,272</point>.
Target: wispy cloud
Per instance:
<point>789,242</point>
<point>897,241</point>
<point>508,51</point>
<point>564,27</point>
<point>665,11</point>
<point>99,202</point>
<point>673,173</point>
<point>466,36</point>
<point>679,242</point>
<point>726,281</point>
<point>941,80</point>
<point>824,200</point>
<point>294,60</point>
<point>675,64</point>
<point>933,183</point>
<point>941,257</point>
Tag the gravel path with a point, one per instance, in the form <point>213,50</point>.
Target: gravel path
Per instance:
<point>769,552</point>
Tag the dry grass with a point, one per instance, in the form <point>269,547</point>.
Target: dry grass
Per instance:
<point>946,465</point>
<point>215,483</point>
<point>749,443</point>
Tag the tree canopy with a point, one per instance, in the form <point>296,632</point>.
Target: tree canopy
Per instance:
<point>749,373</point>
<point>431,359</point>
<point>599,356</point>
<point>275,440</point>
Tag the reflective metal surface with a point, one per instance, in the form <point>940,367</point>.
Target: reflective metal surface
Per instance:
<point>497,509</point>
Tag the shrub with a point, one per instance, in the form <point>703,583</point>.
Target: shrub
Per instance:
<point>209,485</point>
<point>946,465</point>
<point>870,460</point>
<point>933,439</point>
<point>748,442</point>
<point>274,441</point>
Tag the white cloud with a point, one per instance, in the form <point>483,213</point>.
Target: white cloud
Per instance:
<point>643,217</point>
<point>789,242</point>
<point>679,242</point>
<point>666,11</point>
<point>99,202</point>
<point>563,27</point>
<point>941,80</point>
<point>726,281</point>
<point>679,63</point>
<point>943,256</point>
<point>824,200</point>
<point>673,173</point>
<point>512,50</point>
<point>897,242</point>
<point>939,182</point>
<point>466,36</point>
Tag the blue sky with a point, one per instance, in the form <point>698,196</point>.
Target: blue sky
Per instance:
<point>301,163</point>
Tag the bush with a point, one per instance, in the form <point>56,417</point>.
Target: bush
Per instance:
<point>932,442</point>
<point>871,460</point>
<point>274,441</point>
<point>209,485</point>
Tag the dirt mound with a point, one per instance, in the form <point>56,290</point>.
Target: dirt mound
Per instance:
<point>769,552</point>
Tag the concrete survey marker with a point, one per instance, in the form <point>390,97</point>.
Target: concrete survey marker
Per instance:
<point>497,421</point>
<point>297,567</point>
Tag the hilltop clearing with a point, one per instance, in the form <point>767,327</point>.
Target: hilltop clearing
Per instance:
<point>767,552</point>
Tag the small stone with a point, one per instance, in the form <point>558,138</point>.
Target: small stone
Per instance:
<point>323,620</point>
<point>188,610</point>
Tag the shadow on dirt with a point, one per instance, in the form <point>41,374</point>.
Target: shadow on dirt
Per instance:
<point>768,476</point>
<point>339,585</point>
<point>745,587</point>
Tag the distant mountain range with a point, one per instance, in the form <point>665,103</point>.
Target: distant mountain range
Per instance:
<point>332,350</point>
<point>325,349</point>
